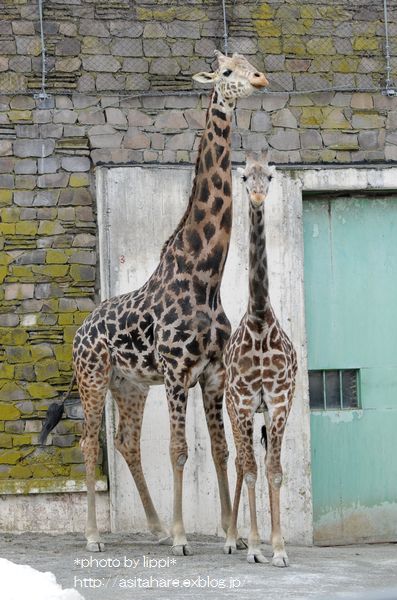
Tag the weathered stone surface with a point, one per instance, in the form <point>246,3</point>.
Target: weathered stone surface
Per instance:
<point>68,47</point>
<point>156,48</point>
<point>390,152</point>
<point>93,27</point>
<point>32,257</point>
<point>82,273</point>
<point>126,47</point>
<point>369,139</point>
<point>26,166</point>
<point>76,163</point>
<point>115,116</point>
<point>171,120</point>
<point>181,141</point>
<point>154,30</point>
<point>284,118</point>
<point>137,118</point>
<point>48,165</point>
<point>50,228</point>
<point>84,213</point>
<point>105,63</point>
<point>164,66</point>
<point>311,139</point>
<point>41,148</point>
<point>106,141</point>
<point>84,240</point>
<point>243,118</point>
<point>27,45</point>
<point>91,117</point>
<point>391,122</point>
<point>8,320</point>
<point>337,140</point>
<point>9,412</point>
<point>94,45</point>
<point>7,181</point>
<point>5,148</point>
<point>53,180</point>
<point>135,65</point>
<point>13,291</point>
<point>65,116</point>
<point>46,198</point>
<point>75,197</point>
<point>368,121</point>
<point>135,139</point>
<point>284,139</point>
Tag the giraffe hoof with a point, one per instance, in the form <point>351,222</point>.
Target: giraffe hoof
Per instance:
<point>229,548</point>
<point>182,550</point>
<point>165,541</point>
<point>241,544</point>
<point>280,561</point>
<point>95,546</point>
<point>257,558</point>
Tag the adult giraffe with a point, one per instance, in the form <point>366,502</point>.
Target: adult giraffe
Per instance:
<point>173,329</point>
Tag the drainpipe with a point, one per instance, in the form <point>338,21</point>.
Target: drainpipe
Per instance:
<point>389,89</point>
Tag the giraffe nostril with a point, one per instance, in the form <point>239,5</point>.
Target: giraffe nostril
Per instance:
<point>257,74</point>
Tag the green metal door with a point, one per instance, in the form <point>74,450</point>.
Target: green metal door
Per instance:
<point>351,317</point>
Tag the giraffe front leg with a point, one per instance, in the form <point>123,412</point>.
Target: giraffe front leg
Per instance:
<point>275,431</point>
<point>177,400</point>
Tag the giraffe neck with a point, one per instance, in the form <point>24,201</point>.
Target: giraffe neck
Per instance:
<point>259,301</point>
<point>203,234</point>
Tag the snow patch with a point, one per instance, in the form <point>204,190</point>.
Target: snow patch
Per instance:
<point>21,581</point>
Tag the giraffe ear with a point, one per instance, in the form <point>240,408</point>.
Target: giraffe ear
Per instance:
<point>204,77</point>
<point>221,57</point>
<point>265,155</point>
<point>250,156</point>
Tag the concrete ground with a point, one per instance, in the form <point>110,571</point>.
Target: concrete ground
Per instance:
<point>130,563</point>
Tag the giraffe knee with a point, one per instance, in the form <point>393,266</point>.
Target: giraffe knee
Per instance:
<point>181,460</point>
<point>179,457</point>
<point>275,477</point>
<point>250,479</point>
<point>221,456</point>
<point>277,480</point>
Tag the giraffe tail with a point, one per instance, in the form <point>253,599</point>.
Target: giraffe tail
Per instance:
<point>54,415</point>
<point>264,436</point>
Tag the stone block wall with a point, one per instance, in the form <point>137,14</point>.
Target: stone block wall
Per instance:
<point>48,283</point>
<point>117,72</point>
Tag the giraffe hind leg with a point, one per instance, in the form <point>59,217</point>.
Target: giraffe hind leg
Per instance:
<point>131,404</point>
<point>275,426</point>
<point>93,401</point>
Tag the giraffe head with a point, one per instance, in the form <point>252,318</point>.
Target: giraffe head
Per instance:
<point>257,176</point>
<point>234,78</point>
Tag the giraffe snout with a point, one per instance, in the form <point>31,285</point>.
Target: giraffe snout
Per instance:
<point>257,197</point>
<point>258,80</point>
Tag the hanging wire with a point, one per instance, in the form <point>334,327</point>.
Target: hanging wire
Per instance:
<point>225,34</point>
<point>389,90</point>
<point>42,94</point>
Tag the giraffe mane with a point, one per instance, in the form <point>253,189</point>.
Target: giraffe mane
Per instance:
<point>186,214</point>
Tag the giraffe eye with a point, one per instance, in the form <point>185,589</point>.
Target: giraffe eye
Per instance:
<point>270,177</point>
<point>244,177</point>
<point>227,73</point>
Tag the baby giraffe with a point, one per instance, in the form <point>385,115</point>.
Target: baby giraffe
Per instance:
<point>260,375</point>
